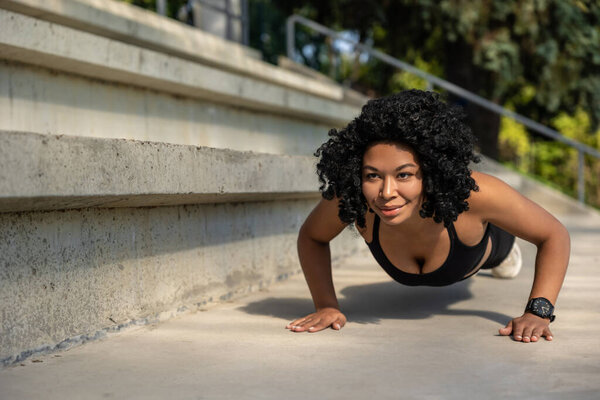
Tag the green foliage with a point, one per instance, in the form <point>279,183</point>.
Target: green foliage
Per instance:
<point>515,144</point>
<point>402,80</point>
<point>552,161</point>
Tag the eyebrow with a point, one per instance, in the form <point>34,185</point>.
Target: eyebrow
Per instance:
<point>397,169</point>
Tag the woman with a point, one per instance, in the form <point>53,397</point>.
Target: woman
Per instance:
<point>400,173</point>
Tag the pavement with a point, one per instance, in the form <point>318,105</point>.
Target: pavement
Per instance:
<point>399,343</point>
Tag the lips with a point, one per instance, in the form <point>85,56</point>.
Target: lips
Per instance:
<point>390,211</point>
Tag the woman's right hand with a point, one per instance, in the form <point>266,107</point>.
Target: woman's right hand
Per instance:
<point>317,321</point>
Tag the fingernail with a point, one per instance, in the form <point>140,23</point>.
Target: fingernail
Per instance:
<point>311,328</point>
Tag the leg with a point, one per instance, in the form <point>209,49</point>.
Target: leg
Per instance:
<point>506,261</point>
<point>502,243</point>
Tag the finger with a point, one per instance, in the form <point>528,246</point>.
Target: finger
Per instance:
<point>536,334</point>
<point>297,321</point>
<point>305,324</point>
<point>323,324</point>
<point>518,333</point>
<point>338,324</point>
<point>326,323</point>
<point>299,325</point>
<point>548,334</point>
<point>527,333</point>
<point>507,329</point>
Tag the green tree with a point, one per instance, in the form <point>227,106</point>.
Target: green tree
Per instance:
<point>490,47</point>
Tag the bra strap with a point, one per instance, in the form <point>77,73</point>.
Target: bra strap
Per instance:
<point>452,232</point>
<point>375,238</point>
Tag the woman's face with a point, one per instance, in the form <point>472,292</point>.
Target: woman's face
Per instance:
<point>392,182</point>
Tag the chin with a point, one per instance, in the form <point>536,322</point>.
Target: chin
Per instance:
<point>397,220</point>
<point>392,220</point>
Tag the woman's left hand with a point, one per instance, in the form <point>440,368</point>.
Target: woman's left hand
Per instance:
<point>527,328</point>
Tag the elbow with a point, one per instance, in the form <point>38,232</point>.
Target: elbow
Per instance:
<point>559,235</point>
<point>563,234</point>
<point>305,236</point>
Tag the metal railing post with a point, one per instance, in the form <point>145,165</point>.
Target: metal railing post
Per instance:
<point>161,7</point>
<point>291,34</point>
<point>228,25</point>
<point>581,176</point>
<point>245,23</point>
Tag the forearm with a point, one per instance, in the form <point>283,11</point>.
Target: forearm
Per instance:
<point>315,259</point>
<point>551,266</point>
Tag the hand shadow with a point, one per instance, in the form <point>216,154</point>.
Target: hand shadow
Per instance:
<point>371,303</point>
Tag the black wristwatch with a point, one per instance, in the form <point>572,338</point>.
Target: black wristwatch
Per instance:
<point>541,307</point>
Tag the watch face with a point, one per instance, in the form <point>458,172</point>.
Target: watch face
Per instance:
<point>541,307</point>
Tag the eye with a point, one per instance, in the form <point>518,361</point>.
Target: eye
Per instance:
<point>371,176</point>
<point>404,175</point>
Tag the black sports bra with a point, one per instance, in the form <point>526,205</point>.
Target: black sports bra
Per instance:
<point>461,260</point>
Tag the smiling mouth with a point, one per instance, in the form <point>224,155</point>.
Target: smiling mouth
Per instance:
<point>391,211</point>
<point>391,208</point>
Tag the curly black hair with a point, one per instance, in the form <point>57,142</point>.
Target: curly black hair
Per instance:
<point>436,131</point>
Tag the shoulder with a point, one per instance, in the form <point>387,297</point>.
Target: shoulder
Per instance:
<point>487,179</point>
<point>502,205</point>
<point>491,189</point>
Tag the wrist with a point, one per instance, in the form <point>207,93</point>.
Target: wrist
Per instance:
<point>541,307</point>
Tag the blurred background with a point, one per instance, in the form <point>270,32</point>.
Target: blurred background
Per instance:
<point>540,59</point>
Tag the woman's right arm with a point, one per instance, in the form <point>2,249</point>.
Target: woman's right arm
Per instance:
<point>321,226</point>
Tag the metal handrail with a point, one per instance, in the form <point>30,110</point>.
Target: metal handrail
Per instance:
<point>450,87</point>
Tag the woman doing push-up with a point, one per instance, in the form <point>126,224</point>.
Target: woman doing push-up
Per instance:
<point>400,173</point>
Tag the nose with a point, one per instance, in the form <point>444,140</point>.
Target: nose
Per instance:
<point>388,191</point>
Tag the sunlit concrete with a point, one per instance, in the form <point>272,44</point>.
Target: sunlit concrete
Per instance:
<point>399,342</point>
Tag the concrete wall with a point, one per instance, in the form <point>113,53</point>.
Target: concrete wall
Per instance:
<point>70,276</point>
<point>227,224</point>
<point>112,211</point>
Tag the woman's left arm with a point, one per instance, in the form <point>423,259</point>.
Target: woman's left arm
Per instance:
<point>503,206</point>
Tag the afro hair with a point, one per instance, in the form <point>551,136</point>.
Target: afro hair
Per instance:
<point>436,131</point>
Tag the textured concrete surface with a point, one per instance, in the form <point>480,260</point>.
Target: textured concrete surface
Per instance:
<point>129,24</point>
<point>73,105</point>
<point>86,272</point>
<point>45,172</point>
<point>68,50</point>
<point>400,342</point>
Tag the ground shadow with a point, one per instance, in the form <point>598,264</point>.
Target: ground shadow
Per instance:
<point>370,303</point>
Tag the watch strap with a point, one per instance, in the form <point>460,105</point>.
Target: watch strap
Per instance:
<point>530,308</point>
